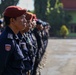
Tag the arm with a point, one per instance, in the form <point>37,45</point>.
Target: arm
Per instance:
<point>5,50</point>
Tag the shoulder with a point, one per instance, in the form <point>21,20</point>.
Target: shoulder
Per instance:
<point>6,42</point>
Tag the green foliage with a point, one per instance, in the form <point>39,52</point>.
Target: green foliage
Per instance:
<point>57,16</point>
<point>40,8</point>
<point>52,3</point>
<point>52,12</point>
<point>5,3</point>
<point>64,31</point>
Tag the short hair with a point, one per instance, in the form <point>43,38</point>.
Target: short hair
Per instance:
<point>7,20</point>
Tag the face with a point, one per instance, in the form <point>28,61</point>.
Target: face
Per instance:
<point>33,23</point>
<point>28,24</point>
<point>40,27</point>
<point>27,28</point>
<point>20,22</point>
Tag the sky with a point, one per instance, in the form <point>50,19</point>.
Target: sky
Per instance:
<point>28,4</point>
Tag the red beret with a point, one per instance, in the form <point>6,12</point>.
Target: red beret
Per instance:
<point>34,17</point>
<point>14,11</point>
<point>29,16</point>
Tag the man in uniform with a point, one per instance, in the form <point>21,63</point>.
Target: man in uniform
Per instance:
<point>27,47</point>
<point>11,57</point>
<point>38,36</point>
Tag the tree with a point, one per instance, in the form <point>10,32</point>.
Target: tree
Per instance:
<point>57,16</point>
<point>5,3</point>
<point>52,3</point>
<point>40,8</point>
<point>52,11</point>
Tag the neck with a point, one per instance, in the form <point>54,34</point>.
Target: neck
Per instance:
<point>14,29</point>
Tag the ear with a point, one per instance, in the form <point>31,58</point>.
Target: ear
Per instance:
<point>12,20</point>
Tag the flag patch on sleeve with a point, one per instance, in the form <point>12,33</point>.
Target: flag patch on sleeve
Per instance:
<point>7,47</point>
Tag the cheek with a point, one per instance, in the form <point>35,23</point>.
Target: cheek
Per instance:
<point>18,22</point>
<point>21,22</point>
<point>25,26</point>
<point>20,26</point>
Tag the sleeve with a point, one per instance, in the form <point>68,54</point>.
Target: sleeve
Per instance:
<point>4,55</point>
<point>38,38</point>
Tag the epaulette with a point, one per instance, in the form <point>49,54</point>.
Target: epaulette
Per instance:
<point>10,36</point>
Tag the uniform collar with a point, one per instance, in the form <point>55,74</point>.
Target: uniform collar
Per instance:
<point>19,35</point>
<point>10,34</point>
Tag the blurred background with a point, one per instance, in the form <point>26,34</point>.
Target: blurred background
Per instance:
<point>60,14</point>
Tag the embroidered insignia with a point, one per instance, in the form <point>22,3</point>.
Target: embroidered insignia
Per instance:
<point>7,47</point>
<point>10,36</point>
<point>24,46</point>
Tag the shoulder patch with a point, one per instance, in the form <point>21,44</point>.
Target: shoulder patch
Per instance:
<point>7,47</point>
<point>10,36</point>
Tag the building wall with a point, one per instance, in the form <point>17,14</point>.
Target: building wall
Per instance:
<point>69,4</point>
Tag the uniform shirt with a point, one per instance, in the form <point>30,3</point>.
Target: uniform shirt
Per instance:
<point>11,56</point>
<point>33,40</point>
<point>40,44</point>
<point>38,38</point>
<point>25,51</point>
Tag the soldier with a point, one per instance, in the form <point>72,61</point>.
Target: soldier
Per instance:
<point>45,35</point>
<point>25,45</point>
<point>29,42</point>
<point>38,36</point>
<point>32,38</point>
<point>11,57</point>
